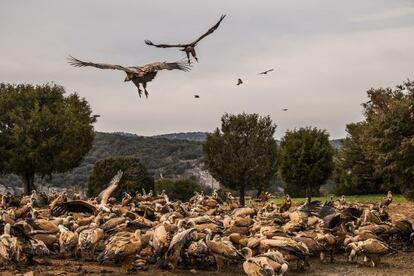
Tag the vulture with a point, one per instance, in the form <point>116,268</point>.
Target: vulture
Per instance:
<point>139,75</point>
<point>239,81</point>
<point>80,206</point>
<point>386,200</point>
<point>196,96</point>
<point>267,71</point>
<point>285,109</point>
<point>188,48</point>
<point>286,204</point>
<point>372,249</point>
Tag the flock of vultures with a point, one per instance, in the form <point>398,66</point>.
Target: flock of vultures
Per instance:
<point>205,233</point>
<point>141,75</point>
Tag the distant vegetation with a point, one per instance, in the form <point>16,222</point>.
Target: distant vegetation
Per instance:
<point>162,157</point>
<point>189,136</point>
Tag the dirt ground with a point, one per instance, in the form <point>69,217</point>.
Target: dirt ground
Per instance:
<point>399,264</point>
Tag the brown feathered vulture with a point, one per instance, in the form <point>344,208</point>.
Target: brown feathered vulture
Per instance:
<point>139,75</point>
<point>188,48</point>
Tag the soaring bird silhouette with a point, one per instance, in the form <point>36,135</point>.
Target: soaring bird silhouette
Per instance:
<point>196,96</point>
<point>267,71</point>
<point>137,74</point>
<point>188,48</point>
<point>239,81</point>
<point>284,109</point>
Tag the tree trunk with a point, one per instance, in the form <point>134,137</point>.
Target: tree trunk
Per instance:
<point>241,197</point>
<point>28,183</point>
<point>259,191</point>
<point>308,193</point>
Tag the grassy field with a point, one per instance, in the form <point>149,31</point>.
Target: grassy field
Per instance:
<point>355,198</point>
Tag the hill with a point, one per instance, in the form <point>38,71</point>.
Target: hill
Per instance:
<point>189,136</point>
<point>167,155</point>
<point>163,158</point>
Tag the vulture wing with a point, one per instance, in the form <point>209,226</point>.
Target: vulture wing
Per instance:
<point>210,31</point>
<point>105,194</point>
<point>179,238</point>
<point>74,206</point>
<point>156,66</point>
<point>267,71</point>
<point>150,43</point>
<point>79,63</point>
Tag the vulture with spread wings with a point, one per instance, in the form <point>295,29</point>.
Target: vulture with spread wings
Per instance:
<point>188,48</point>
<point>137,74</point>
<point>81,206</point>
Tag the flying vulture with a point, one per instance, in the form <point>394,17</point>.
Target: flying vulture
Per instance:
<point>188,48</point>
<point>137,74</point>
<point>267,71</point>
<point>196,96</point>
<point>284,109</point>
<point>239,81</point>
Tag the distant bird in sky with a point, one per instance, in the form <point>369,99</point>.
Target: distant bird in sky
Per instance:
<point>239,81</point>
<point>285,109</point>
<point>267,71</point>
<point>137,74</point>
<point>196,96</point>
<point>190,47</point>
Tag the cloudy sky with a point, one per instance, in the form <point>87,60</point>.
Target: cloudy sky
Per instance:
<point>326,54</point>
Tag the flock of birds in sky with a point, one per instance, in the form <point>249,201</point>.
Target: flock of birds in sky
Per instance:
<point>141,75</point>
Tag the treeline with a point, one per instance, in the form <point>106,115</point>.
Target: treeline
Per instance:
<point>378,152</point>
<point>42,138</point>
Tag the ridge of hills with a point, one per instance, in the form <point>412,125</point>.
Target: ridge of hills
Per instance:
<point>166,156</point>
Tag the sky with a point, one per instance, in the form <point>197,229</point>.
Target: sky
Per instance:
<point>326,55</point>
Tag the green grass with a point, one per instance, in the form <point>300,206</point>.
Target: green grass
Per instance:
<point>354,198</point>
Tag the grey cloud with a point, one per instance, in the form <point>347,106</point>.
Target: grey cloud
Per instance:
<point>327,53</point>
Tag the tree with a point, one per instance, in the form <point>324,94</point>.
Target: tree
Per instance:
<point>42,131</point>
<point>389,135</point>
<point>178,189</point>
<point>135,176</point>
<point>306,161</point>
<point>243,153</point>
<point>354,171</point>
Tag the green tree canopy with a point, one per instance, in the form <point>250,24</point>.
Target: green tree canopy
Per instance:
<point>389,135</point>
<point>42,131</point>
<point>306,160</point>
<point>354,171</point>
<point>134,179</point>
<point>178,189</point>
<point>242,154</point>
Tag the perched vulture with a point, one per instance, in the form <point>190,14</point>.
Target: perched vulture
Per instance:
<point>188,48</point>
<point>137,74</point>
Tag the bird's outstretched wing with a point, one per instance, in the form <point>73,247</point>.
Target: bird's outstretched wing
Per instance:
<point>210,31</point>
<point>74,206</point>
<point>267,71</point>
<point>105,194</point>
<point>156,66</point>
<point>79,63</point>
<point>150,43</point>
